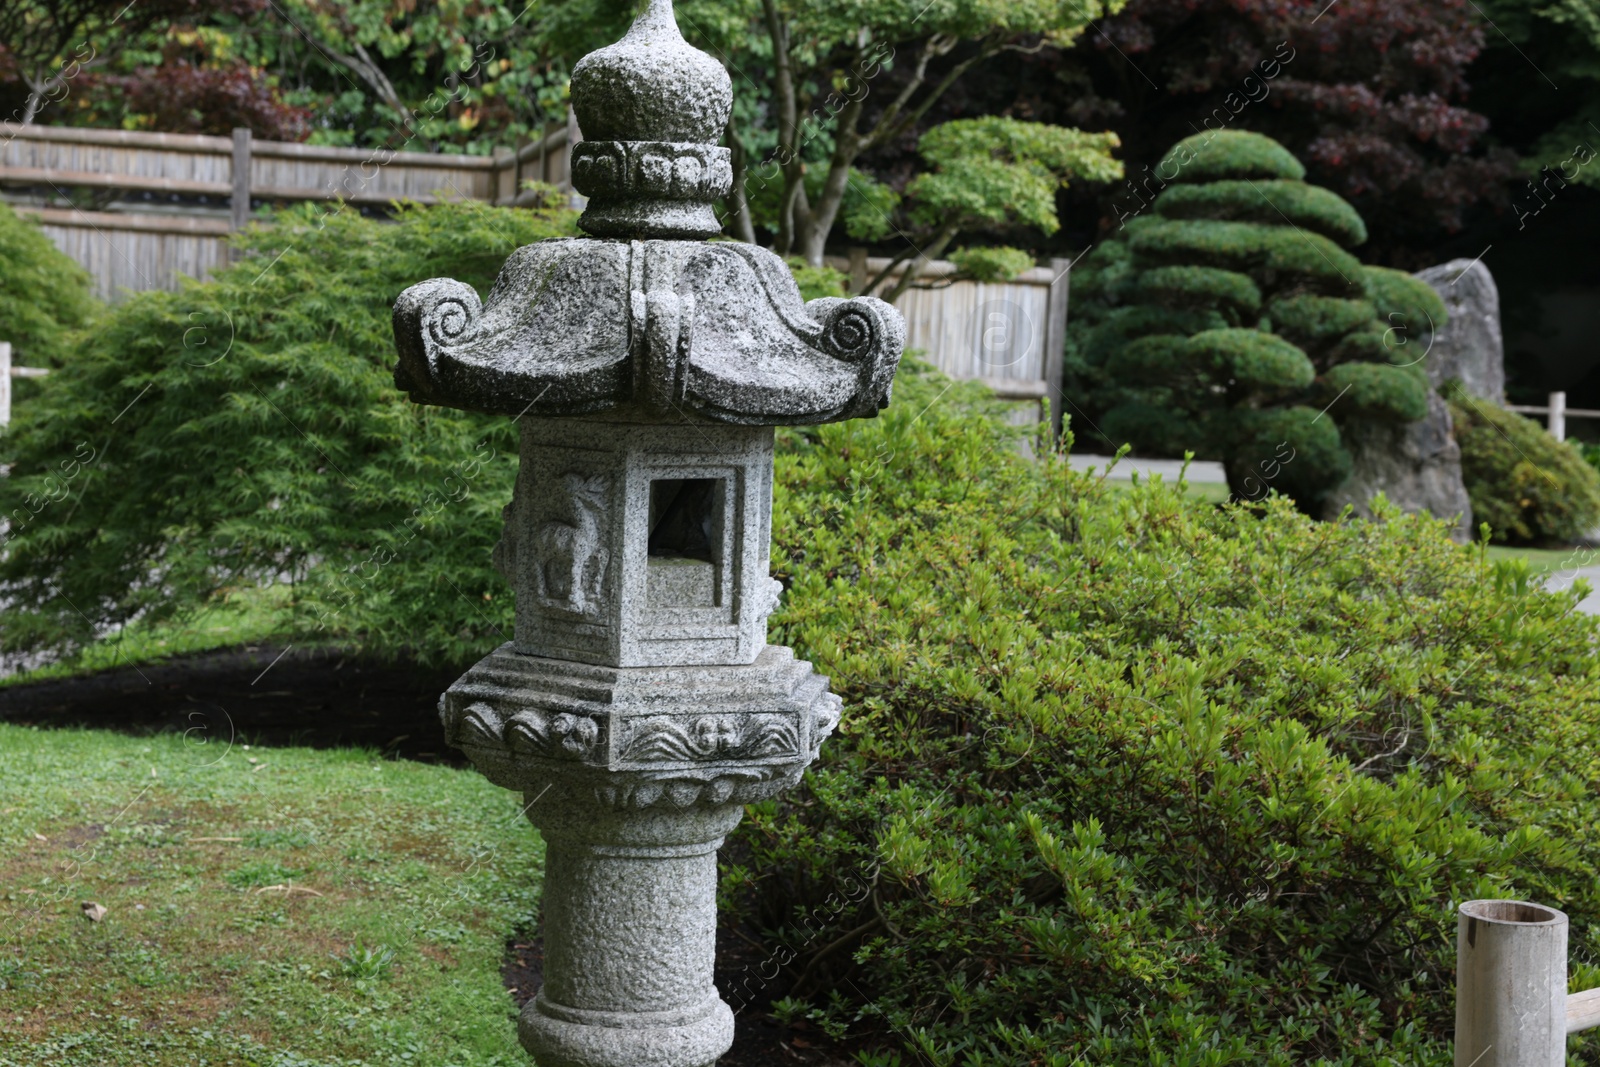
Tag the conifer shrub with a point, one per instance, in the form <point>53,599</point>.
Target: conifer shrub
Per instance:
<point>1124,779</point>
<point>247,430</point>
<point>1527,486</point>
<point>1232,310</point>
<point>44,295</point>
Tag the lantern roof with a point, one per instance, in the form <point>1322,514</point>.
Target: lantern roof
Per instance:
<point>646,320</point>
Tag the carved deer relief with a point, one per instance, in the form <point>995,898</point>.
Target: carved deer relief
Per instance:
<point>569,555</point>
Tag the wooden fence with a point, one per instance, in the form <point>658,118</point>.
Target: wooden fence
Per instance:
<point>1556,414</point>
<point>163,204</point>
<point>141,210</point>
<point>1008,335</point>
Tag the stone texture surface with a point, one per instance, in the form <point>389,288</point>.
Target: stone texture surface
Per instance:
<point>638,707</point>
<point>1469,346</point>
<point>634,776</point>
<point>651,86</point>
<point>1416,465</point>
<point>646,329</point>
<point>651,109</point>
<point>640,738</point>
<point>639,545</point>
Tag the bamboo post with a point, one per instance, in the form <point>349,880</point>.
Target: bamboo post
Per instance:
<point>1511,985</point>
<point>1558,416</point>
<point>241,179</point>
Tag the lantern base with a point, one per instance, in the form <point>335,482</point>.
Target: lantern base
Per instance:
<point>552,1035</point>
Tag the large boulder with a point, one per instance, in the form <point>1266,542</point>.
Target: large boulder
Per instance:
<point>1469,346</point>
<point>1417,466</point>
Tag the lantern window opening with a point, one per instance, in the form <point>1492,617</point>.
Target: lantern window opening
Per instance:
<point>686,518</point>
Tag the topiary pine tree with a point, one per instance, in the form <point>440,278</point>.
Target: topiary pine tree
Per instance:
<point>1230,319</point>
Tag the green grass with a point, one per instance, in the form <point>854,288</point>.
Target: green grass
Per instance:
<point>320,908</point>
<point>1548,560</point>
<point>247,616</point>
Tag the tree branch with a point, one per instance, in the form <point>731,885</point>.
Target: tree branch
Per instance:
<point>829,949</point>
<point>846,147</point>
<point>744,227</point>
<point>360,64</point>
<point>886,131</point>
<point>883,275</point>
<point>895,106</point>
<point>944,236</point>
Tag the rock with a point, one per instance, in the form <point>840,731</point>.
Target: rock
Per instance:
<point>1469,346</point>
<point>1417,466</point>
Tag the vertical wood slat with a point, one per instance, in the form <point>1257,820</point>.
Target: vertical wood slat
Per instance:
<point>1009,335</point>
<point>122,251</point>
<point>241,179</point>
<point>1055,340</point>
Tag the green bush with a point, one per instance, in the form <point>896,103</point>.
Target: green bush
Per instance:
<point>1590,452</point>
<point>1271,202</point>
<point>997,263</point>
<point>1525,484</point>
<point>43,294</point>
<point>1122,779</point>
<point>247,430</point>
<point>1233,299</point>
<point>1229,154</point>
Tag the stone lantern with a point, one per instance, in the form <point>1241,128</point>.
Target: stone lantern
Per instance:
<point>638,707</point>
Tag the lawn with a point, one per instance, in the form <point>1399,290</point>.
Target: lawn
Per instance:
<point>266,907</point>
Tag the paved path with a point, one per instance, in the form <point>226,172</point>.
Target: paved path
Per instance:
<point>1200,471</point>
<point>1563,579</point>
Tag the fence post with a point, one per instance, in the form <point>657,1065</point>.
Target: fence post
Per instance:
<point>1055,339</point>
<point>1558,416</point>
<point>1511,985</point>
<point>5,382</point>
<point>241,179</point>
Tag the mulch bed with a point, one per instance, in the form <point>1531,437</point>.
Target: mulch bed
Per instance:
<point>326,698</point>
<point>320,697</point>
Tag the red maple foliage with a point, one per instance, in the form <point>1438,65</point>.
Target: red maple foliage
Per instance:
<point>183,96</point>
<point>1372,95</point>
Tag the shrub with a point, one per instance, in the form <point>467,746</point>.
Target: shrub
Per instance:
<point>1122,779</point>
<point>247,430</point>
<point>1241,271</point>
<point>43,294</point>
<point>817,282</point>
<point>998,263</point>
<point>1524,483</point>
<point>1310,206</point>
<point>1229,155</point>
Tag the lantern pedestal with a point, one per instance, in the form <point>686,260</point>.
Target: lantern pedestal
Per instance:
<point>630,938</point>
<point>634,775</point>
